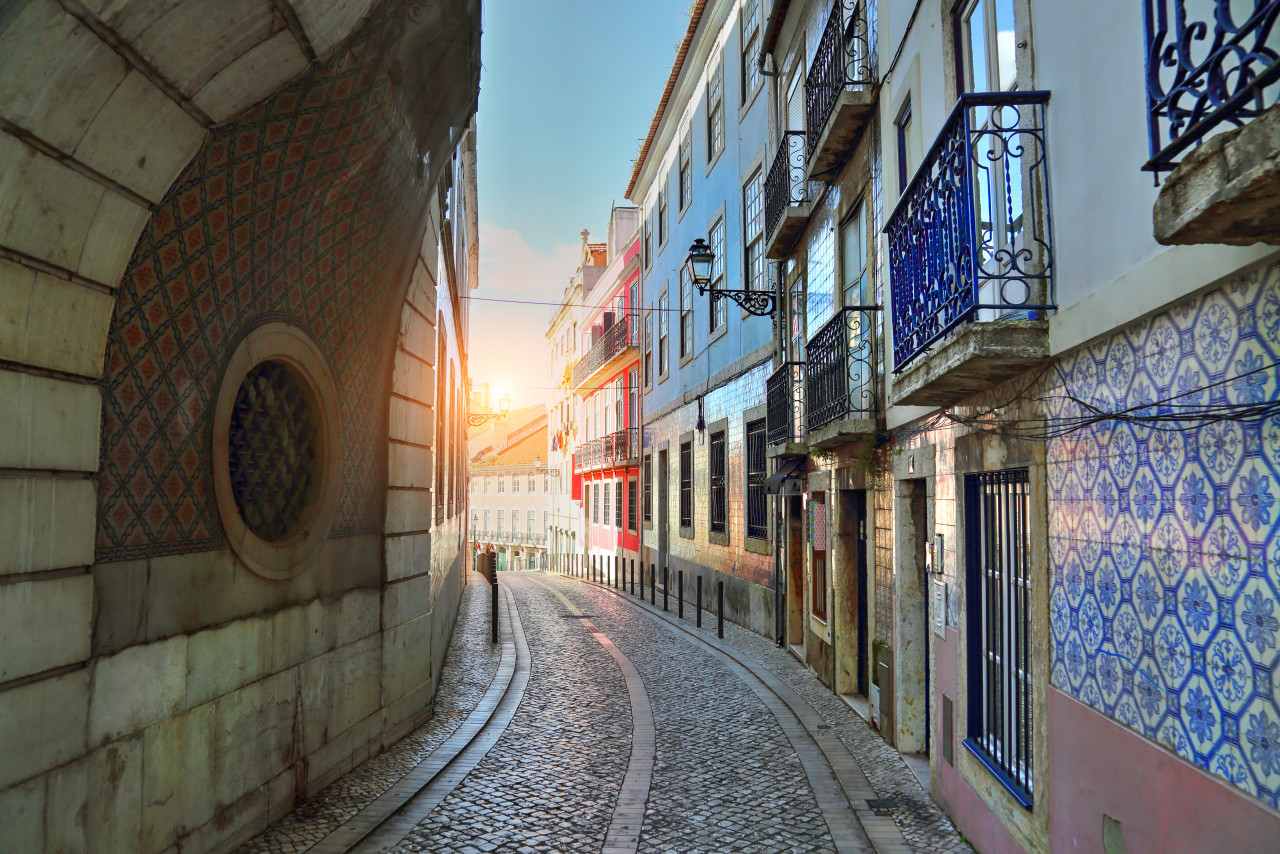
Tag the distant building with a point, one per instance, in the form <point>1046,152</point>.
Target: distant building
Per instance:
<point>511,487</point>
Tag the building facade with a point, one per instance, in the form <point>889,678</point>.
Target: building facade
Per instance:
<point>565,535</point>
<point>511,489</point>
<point>236,256</point>
<point>605,379</point>
<point>1021,408</point>
<point>700,175</point>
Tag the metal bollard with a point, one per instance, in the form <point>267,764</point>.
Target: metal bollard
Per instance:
<point>680,594</point>
<point>720,609</point>
<point>633,576</point>
<point>653,584</point>
<point>699,586</point>
<point>666,587</point>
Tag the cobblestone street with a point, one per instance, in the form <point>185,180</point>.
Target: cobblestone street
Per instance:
<point>734,763</point>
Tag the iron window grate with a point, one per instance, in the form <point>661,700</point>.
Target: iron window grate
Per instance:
<point>717,469</point>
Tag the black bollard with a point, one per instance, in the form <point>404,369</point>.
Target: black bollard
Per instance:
<point>680,594</point>
<point>653,584</point>
<point>666,588</point>
<point>699,586</point>
<point>720,609</point>
<point>633,576</point>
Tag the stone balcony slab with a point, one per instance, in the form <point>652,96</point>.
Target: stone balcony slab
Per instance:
<point>977,357</point>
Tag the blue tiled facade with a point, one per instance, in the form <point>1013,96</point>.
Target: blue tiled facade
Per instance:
<point>1165,542</point>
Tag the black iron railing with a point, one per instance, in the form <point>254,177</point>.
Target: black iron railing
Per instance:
<point>970,239</point>
<point>784,404</point>
<point>623,334</point>
<point>613,449</point>
<point>785,184</point>
<point>841,371</point>
<point>1209,62</point>
<point>842,61</point>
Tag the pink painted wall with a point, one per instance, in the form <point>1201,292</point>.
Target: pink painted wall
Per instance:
<point>979,825</point>
<point>1165,804</point>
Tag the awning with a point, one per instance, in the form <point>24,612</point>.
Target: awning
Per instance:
<point>787,467</point>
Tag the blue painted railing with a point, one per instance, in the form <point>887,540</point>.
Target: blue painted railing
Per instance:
<point>970,239</point>
<point>1209,62</point>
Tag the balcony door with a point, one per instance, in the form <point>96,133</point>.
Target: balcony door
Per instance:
<point>795,98</point>
<point>986,53</point>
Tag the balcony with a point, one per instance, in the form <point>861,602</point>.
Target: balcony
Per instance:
<point>616,346</point>
<point>786,197</point>
<point>784,410</point>
<point>1211,66</point>
<point>840,386</point>
<point>839,94</point>
<point>616,449</point>
<point>971,254</point>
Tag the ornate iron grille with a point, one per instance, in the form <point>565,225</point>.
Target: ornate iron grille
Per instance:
<point>273,449</point>
<point>717,484</point>
<point>971,236</point>
<point>785,185</point>
<point>999,613</point>
<point>784,404</point>
<point>1205,69</point>
<point>841,374</point>
<point>757,473</point>
<point>842,60</point>
<point>623,334</point>
<point>686,485</point>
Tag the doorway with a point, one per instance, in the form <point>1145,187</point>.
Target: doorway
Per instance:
<point>853,672</point>
<point>663,511</point>
<point>795,572</point>
<point>912,632</point>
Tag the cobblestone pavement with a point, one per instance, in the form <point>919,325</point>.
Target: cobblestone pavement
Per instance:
<point>923,823</point>
<point>469,667</point>
<point>725,775</point>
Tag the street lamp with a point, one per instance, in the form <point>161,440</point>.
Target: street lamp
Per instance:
<point>504,406</point>
<point>698,267</point>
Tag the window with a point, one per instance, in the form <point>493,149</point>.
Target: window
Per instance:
<point>595,503</point>
<point>750,48</point>
<point>853,258</point>
<point>546,482</point>
<point>719,307</point>
<point>533,483</point>
<point>757,515</point>
<point>818,554</point>
<point>662,213</point>
<point>648,241</point>
<point>529,521</point>
<point>617,507</point>
<point>500,515</point>
<point>986,53</point>
<point>633,397</point>
<point>607,504</point>
<point>515,520</point>
<point>475,521</point>
<point>715,110</point>
<point>718,464</point>
<point>686,313</point>
<point>662,334</point>
<point>546,521</point>
<point>515,484</point>
<point>686,168</point>
<point>502,481</point>
<point>997,575</point>
<point>908,146</point>
<point>486,520</point>
<point>473,486</point>
<point>486,484</point>
<point>619,403</point>
<point>648,349</point>
<point>646,475</point>
<point>753,228</point>
<point>819,577</point>
<point>686,484</point>
<point>631,504</point>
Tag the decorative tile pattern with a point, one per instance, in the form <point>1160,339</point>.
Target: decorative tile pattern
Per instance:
<point>1165,543</point>
<point>303,211</point>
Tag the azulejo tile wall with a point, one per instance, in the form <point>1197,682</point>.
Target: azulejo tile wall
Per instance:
<point>303,210</point>
<point>1165,538</point>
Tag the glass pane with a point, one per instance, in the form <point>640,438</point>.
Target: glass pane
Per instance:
<point>1006,58</point>
<point>853,258</point>
<point>975,47</point>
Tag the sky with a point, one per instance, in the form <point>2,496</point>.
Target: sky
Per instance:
<point>567,91</point>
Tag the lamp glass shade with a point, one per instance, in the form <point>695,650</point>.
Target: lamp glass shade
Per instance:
<point>504,404</point>
<point>699,262</point>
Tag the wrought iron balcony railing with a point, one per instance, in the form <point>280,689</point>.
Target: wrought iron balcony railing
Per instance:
<point>1209,62</point>
<point>784,404</point>
<point>970,239</point>
<point>623,334</point>
<point>842,61</point>
<point>841,371</point>
<point>785,184</point>
<point>610,450</point>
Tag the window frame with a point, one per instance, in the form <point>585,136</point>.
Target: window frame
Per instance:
<point>753,230</point>
<point>715,111</point>
<point>750,79</point>
<point>617,507</point>
<point>718,316</point>
<point>753,480</point>
<point>686,314</point>
<point>684,180</point>
<point>685,471</point>
<point>718,481</point>
<point>632,490</point>
<point>664,324</point>
<point>664,223</point>
<point>646,489</point>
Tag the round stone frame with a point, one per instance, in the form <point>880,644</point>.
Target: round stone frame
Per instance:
<point>291,555</point>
